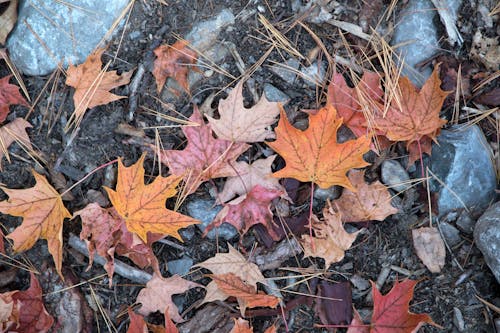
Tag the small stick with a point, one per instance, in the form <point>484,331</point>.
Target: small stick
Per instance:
<point>121,268</point>
<point>134,86</point>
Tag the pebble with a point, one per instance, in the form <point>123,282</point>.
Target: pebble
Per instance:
<point>180,266</point>
<point>314,75</point>
<point>417,36</point>
<point>331,193</point>
<point>450,234</point>
<point>458,319</point>
<point>273,94</point>
<point>487,238</point>
<point>64,29</point>
<point>463,161</point>
<point>205,211</point>
<point>395,176</point>
<point>287,70</point>
<point>465,223</point>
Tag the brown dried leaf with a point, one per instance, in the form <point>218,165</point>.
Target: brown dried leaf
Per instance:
<point>15,131</point>
<point>430,248</point>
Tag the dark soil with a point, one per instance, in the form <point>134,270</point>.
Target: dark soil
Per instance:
<point>384,244</point>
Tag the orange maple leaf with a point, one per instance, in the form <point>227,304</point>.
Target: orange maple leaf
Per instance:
<point>173,61</point>
<point>143,206</point>
<point>314,155</point>
<point>9,95</point>
<point>15,131</point>
<point>43,214</point>
<point>246,295</point>
<point>369,202</point>
<point>241,326</point>
<point>391,312</point>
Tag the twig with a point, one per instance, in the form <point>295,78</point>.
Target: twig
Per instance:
<point>134,86</point>
<point>121,268</point>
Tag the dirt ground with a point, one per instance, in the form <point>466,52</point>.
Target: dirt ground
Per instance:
<point>385,247</point>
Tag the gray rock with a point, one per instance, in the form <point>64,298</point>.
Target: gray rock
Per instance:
<point>458,319</point>
<point>465,223</point>
<point>450,233</point>
<point>463,161</point>
<point>205,211</point>
<point>287,71</point>
<point>487,238</point>
<point>49,32</point>
<point>180,266</point>
<point>330,193</point>
<point>395,176</point>
<point>273,94</point>
<point>417,34</point>
<point>314,74</point>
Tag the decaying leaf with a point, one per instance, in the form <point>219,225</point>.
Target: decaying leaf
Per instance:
<point>137,323</point>
<point>430,248</point>
<point>246,294</point>
<point>249,210</point>
<point>9,95</point>
<point>23,311</point>
<point>331,240</point>
<point>239,124</point>
<point>143,206</point>
<point>15,131</point>
<point>334,303</point>
<point>43,213</point>
<point>241,326</point>
<point>391,312</point>
<point>369,202</point>
<point>173,61</point>
<point>204,157</point>
<point>157,296</point>
<point>249,175</point>
<point>2,244</point>
<point>8,19</point>
<point>314,155</point>
<point>104,232</point>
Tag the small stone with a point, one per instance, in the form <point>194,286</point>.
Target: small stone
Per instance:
<point>48,32</point>
<point>487,238</point>
<point>204,34</point>
<point>180,266</point>
<point>323,194</point>
<point>360,283</point>
<point>465,223</point>
<point>458,319</point>
<point>463,162</point>
<point>205,211</point>
<point>450,233</point>
<point>187,233</point>
<point>314,75</point>
<point>287,71</point>
<point>395,176</point>
<point>273,94</point>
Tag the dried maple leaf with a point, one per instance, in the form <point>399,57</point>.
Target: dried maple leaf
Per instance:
<point>391,312</point>
<point>249,175</point>
<point>241,326</point>
<point>15,131</point>
<point>157,296</point>
<point>246,294</point>
<point>204,157</point>
<point>314,155</point>
<point>173,61</point>
<point>9,95</point>
<point>430,248</point>
<point>369,202</point>
<point>143,206</point>
<point>331,240</point>
<point>8,19</point>
<point>249,210</point>
<point>104,232</point>
<point>239,124</point>
<point>137,323</point>
<point>334,302</point>
<point>43,214</point>
<point>28,314</point>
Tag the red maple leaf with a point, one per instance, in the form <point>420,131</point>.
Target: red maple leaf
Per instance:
<point>9,95</point>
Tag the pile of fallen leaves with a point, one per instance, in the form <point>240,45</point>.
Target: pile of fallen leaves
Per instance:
<point>138,216</point>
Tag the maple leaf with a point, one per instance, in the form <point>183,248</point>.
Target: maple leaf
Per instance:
<point>137,323</point>
<point>9,95</point>
<point>331,240</point>
<point>246,295</point>
<point>91,85</point>
<point>204,157</point>
<point>43,214</point>
<point>173,61</point>
<point>143,206</point>
<point>27,312</point>
<point>249,175</point>
<point>104,232</point>
<point>369,201</point>
<point>241,326</point>
<point>249,210</point>
<point>239,124</point>
<point>314,155</point>
<point>157,296</point>
<point>391,311</point>
<point>414,114</point>
<point>15,131</point>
